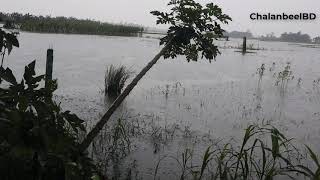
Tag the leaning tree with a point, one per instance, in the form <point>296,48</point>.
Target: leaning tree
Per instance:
<point>193,29</point>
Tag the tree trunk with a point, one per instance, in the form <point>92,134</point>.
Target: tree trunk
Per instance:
<point>97,128</point>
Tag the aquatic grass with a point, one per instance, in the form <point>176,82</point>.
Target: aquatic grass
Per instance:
<point>260,71</point>
<point>262,153</point>
<point>283,78</point>
<point>265,153</point>
<point>249,47</point>
<point>115,79</point>
<point>111,147</point>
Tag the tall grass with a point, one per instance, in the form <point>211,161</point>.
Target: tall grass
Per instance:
<point>264,153</point>
<point>115,79</point>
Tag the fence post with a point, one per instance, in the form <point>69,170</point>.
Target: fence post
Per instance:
<point>49,66</point>
<point>244,45</point>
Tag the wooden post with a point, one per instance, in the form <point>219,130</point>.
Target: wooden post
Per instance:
<point>49,66</point>
<point>244,45</point>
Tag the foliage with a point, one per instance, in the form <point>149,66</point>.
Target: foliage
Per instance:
<point>37,139</point>
<point>288,37</point>
<point>284,77</point>
<point>9,24</point>
<point>7,41</point>
<point>265,153</point>
<point>295,37</point>
<point>193,29</point>
<point>260,71</point>
<point>115,80</point>
<point>47,24</point>
<point>239,34</point>
<point>190,26</point>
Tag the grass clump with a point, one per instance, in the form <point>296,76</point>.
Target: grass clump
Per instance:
<point>115,79</point>
<point>284,77</point>
<point>264,153</point>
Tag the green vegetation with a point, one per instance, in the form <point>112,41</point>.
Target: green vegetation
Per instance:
<point>189,21</point>
<point>289,37</point>
<point>264,153</point>
<point>239,34</point>
<point>115,80</point>
<point>260,71</point>
<point>37,139</point>
<point>47,24</point>
<point>284,77</point>
<point>7,41</point>
<point>40,141</point>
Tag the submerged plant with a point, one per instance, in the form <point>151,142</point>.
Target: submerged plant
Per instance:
<point>260,71</point>
<point>115,79</point>
<point>284,77</point>
<point>264,153</point>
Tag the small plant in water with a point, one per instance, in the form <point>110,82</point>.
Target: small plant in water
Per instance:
<point>260,71</point>
<point>115,79</point>
<point>284,77</point>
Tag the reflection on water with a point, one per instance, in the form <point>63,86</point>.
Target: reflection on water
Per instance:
<point>200,99</point>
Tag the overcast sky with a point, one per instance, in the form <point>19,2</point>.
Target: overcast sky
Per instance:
<point>137,11</point>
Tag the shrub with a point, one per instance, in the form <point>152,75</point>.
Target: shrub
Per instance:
<point>115,79</point>
<point>38,140</point>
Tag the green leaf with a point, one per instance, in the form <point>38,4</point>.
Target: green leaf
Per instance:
<point>7,75</point>
<point>9,46</point>
<point>23,103</point>
<point>29,72</point>
<point>189,22</point>
<point>10,37</point>
<point>313,156</point>
<point>95,177</point>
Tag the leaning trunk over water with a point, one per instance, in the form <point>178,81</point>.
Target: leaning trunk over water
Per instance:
<point>97,128</point>
<point>187,35</point>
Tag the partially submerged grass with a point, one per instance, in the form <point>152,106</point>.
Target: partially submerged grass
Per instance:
<point>284,77</point>
<point>115,79</point>
<point>265,153</point>
<point>260,71</point>
<point>251,47</point>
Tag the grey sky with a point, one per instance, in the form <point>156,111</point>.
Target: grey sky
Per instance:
<point>137,11</point>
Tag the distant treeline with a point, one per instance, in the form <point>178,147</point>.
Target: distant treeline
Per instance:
<point>291,37</point>
<point>67,25</point>
<point>238,34</point>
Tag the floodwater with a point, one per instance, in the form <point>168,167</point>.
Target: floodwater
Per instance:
<point>217,99</point>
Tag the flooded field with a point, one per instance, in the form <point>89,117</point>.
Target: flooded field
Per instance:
<point>180,104</point>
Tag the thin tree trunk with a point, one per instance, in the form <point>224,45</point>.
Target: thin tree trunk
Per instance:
<point>97,128</point>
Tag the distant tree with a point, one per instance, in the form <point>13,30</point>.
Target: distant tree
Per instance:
<point>239,34</point>
<point>9,24</point>
<point>187,35</point>
<point>288,37</point>
<point>47,24</point>
<point>295,37</point>
<point>316,40</point>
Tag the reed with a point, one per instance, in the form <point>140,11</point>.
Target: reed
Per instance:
<point>115,79</point>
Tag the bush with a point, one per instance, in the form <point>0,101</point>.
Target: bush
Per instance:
<point>115,80</point>
<point>37,139</point>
